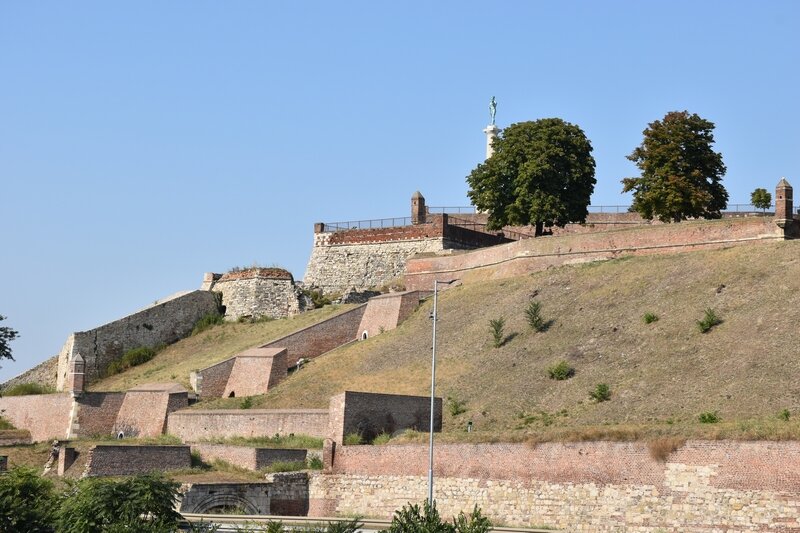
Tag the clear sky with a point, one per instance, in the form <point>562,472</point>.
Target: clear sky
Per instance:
<point>144,143</point>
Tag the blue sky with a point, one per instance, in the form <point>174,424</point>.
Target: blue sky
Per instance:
<point>144,143</point>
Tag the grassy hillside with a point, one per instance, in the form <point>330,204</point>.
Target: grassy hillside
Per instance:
<point>176,361</point>
<point>664,373</point>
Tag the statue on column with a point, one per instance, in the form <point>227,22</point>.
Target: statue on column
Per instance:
<point>492,109</point>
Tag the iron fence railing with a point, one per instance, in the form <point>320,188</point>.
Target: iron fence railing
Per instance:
<point>469,209</point>
<point>368,224</point>
<point>481,227</point>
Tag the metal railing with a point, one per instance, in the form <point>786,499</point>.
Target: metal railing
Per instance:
<point>481,227</point>
<point>469,209</point>
<point>368,224</point>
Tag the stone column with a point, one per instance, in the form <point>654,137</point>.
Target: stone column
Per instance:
<point>491,132</point>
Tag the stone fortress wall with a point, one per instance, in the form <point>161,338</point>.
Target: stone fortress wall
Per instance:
<point>583,487</point>
<point>256,293</point>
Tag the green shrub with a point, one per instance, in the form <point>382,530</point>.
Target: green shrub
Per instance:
<point>533,314</point>
<point>601,393</point>
<point>27,501</point>
<point>474,523</point>
<point>317,297</point>
<point>246,403</point>
<point>784,415</point>
<point>561,371</point>
<point>413,519</point>
<point>5,424</point>
<point>352,439</point>
<point>315,462</point>
<point>383,438</point>
<point>709,417</point>
<point>649,318</point>
<point>24,389</point>
<point>207,321</point>
<point>497,327</point>
<point>709,321</point>
<point>131,358</point>
<point>456,406</point>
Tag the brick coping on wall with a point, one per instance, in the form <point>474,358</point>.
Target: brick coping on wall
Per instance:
<point>252,273</point>
<point>246,412</point>
<point>276,342</point>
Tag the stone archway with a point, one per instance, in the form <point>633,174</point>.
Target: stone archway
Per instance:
<point>209,498</point>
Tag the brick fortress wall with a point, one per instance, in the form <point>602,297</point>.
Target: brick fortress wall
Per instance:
<point>246,457</point>
<point>162,323</point>
<point>582,487</point>
<point>196,425</point>
<point>110,460</point>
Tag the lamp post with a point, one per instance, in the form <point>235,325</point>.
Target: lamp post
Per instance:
<point>434,316</point>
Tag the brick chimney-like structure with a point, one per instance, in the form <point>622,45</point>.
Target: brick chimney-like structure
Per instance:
<point>418,210</point>
<point>75,381</point>
<point>784,208</point>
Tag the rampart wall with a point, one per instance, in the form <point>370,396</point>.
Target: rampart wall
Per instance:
<point>111,460</point>
<point>162,323</point>
<point>46,416</point>
<point>583,487</point>
<point>256,293</point>
<point>370,414</point>
<point>317,339</point>
<point>144,411</point>
<point>387,311</point>
<point>197,425</point>
<point>44,374</point>
<point>531,255</point>
<point>246,457</point>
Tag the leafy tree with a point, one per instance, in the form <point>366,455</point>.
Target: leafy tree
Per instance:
<point>541,173</point>
<point>681,174</point>
<point>143,503</point>
<point>761,199</point>
<point>27,502</point>
<point>6,336</point>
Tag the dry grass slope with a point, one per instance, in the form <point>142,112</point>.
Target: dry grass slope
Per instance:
<point>664,373</point>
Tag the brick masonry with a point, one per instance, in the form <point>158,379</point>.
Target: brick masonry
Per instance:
<point>162,323</point>
<point>370,414</point>
<point>584,487</point>
<point>112,460</point>
<point>249,373</point>
<point>196,425</point>
<point>144,410</point>
<point>531,255</point>
<point>46,416</point>
<point>246,457</point>
<point>387,311</point>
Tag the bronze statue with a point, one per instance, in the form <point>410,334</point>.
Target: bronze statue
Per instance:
<point>492,109</point>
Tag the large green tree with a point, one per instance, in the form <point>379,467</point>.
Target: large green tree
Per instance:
<point>681,173</point>
<point>6,336</point>
<point>541,173</point>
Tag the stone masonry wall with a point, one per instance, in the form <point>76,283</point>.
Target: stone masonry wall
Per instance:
<point>531,255</point>
<point>582,487</point>
<point>46,416</point>
<point>110,460</point>
<point>246,457</point>
<point>44,374</point>
<point>197,425</point>
<point>370,414</point>
<point>317,339</point>
<point>163,323</point>
<point>257,293</point>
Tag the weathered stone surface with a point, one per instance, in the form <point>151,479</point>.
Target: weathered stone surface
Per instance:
<point>250,498</point>
<point>44,374</point>
<point>112,460</point>
<point>256,293</point>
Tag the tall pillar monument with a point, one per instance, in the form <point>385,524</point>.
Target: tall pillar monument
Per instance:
<point>491,130</point>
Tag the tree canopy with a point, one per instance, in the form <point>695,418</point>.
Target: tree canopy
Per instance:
<point>681,173</point>
<point>541,173</point>
<point>6,336</point>
<point>761,199</point>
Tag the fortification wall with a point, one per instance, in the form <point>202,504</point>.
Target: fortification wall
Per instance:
<point>110,460</point>
<point>256,371</point>
<point>370,414</point>
<point>583,487</point>
<point>257,292</point>
<point>531,255</point>
<point>211,382</point>
<point>96,414</point>
<point>246,457</point>
<point>197,425</point>
<point>163,323</point>
<point>144,412</point>
<point>387,311</point>
<point>44,374</point>
<point>45,416</point>
<point>319,338</point>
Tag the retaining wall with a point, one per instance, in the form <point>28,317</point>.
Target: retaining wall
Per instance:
<point>197,425</point>
<point>162,323</point>
<point>584,487</point>
<point>45,416</point>
<point>44,374</point>
<point>247,457</point>
<point>531,255</point>
<point>111,460</point>
<point>388,311</point>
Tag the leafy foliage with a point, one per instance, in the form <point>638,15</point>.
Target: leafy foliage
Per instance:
<point>601,393</point>
<point>456,406</point>
<point>413,519</point>
<point>649,318</point>
<point>561,371</point>
<point>24,389</point>
<point>352,439</point>
<point>134,357</point>
<point>709,417</point>
<point>710,319</point>
<point>541,173</point>
<point>474,523</point>
<point>681,174</point>
<point>143,503</point>
<point>497,327</point>
<point>27,501</point>
<point>761,199</point>
<point>207,321</point>
<point>6,336</point>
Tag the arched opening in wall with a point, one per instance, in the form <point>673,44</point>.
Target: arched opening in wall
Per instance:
<point>224,500</point>
<point>120,435</point>
<point>364,335</point>
<point>232,394</point>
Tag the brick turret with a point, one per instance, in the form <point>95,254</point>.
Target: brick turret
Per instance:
<point>418,210</point>
<point>75,381</point>
<point>783,201</point>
